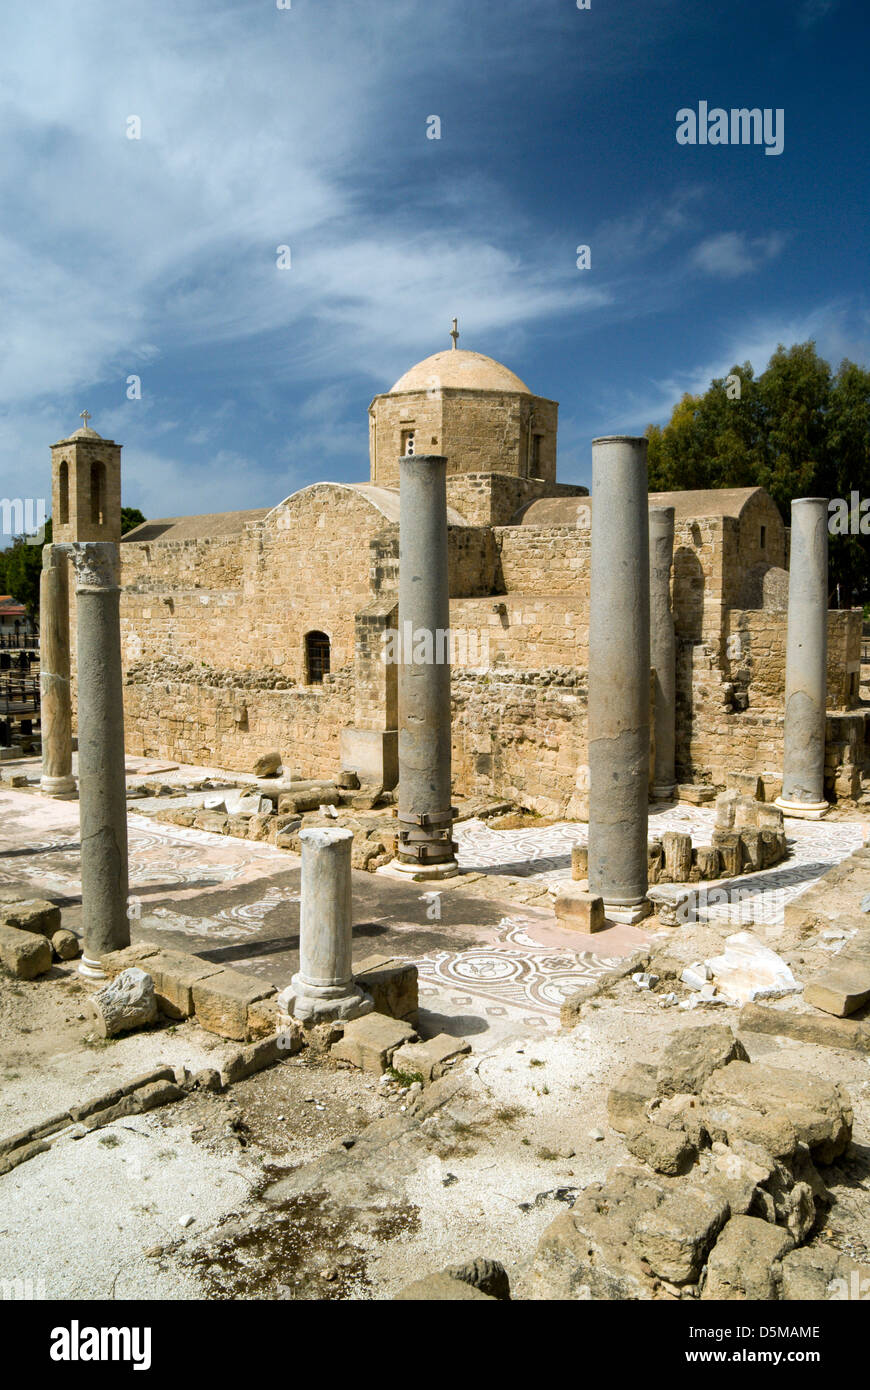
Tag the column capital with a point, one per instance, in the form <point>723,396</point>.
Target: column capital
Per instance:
<point>97,566</point>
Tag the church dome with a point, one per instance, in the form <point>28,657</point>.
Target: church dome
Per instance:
<point>457,368</point>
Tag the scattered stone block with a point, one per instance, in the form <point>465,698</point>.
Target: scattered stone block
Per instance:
<point>258,826</point>
<point>747,783</point>
<point>678,856</point>
<point>392,984</point>
<point>125,1003</point>
<point>820,1111</point>
<point>696,794</point>
<point>430,1059</point>
<point>665,1150</point>
<point>628,1098</point>
<point>296,802</point>
<point>769,818</point>
<point>252,1059</point>
<point>370,1042</point>
<point>221,1002</point>
<point>751,841</point>
<point>66,945</point>
<point>705,858</point>
<point>136,954</point>
<point>826,1031</point>
<point>579,862</point>
<point>694,1054</point>
<point>174,974</point>
<point>263,1017</point>
<point>676,1237</point>
<point>347,780</point>
<point>821,1272</point>
<point>726,804</point>
<point>215,822</point>
<point>578,909</point>
<point>267,765</point>
<point>746,1261</point>
<point>840,989</point>
<point>24,954</point>
<point>655,858</point>
<point>34,915</point>
<point>730,847</point>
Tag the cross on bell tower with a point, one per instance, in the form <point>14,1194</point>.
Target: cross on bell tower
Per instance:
<point>86,486</point>
<point>86,416</point>
<point>454,332</point>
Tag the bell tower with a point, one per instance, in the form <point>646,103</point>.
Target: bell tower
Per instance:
<point>86,487</point>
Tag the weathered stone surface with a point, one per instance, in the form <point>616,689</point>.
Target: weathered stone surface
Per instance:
<point>821,1272</point>
<point>125,1003</point>
<point>392,984</point>
<point>215,822</point>
<point>628,1098</point>
<point>113,962</point>
<point>221,1002</point>
<point>430,1059</point>
<point>692,1055</point>
<point>578,909</point>
<point>579,862</point>
<point>665,1150</point>
<point>841,988</point>
<point>822,1029</point>
<point>66,945</point>
<point>746,1261</point>
<point>24,954</point>
<point>677,1235</point>
<point>487,1275</point>
<point>820,1111</point>
<point>33,915</point>
<point>655,858</point>
<point>256,1057</point>
<point>442,1288</point>
<point>695,793</point>
<point>267,765</point>
<point>371,1041</point>
<point>174,974</point>
<point>263,1017</point>
<point>678,856</point>
<point>705,858</point>
<point>730,848</point>
<point>746,783</point>
<point>774,1133</point>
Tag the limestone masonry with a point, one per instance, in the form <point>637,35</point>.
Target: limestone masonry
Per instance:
<point>245,632</point>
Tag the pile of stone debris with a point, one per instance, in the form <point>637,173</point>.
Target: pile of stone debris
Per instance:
<point>32,938</point>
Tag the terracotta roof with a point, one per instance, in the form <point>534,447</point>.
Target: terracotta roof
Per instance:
<point>194,528</point>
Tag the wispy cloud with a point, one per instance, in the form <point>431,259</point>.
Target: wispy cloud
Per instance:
<point>731,254</point>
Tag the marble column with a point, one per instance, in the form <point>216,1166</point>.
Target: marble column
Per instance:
<point>102,780</point>
<point>323,988</point>
<point>663,648</point>
<point>806,662</point>
<point>55,708</point>
<point>425,814</point>
<point>619,680</point>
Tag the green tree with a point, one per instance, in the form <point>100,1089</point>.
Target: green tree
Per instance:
<point>797,430</point>
<point>21,562</point>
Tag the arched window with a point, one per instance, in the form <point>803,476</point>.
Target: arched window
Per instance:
<point>63,493</point>
<point>98,493</point>
<point>316,657</point>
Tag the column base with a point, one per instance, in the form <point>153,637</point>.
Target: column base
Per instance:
<point>665,793</point>
<point>312,1004</point>
<point>92,969</point>
<point>803,810</point>
<point>397,868</point>
<point>627,913</point>
<point>61,788</point>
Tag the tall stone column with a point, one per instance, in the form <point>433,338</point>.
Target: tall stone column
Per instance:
<point>619,682</point>
<point>806,662</point>
<point>663,648</point>
<point>55,708</point>
<point>323,989</point>
<point>102,781</point>
<point>425,814</point>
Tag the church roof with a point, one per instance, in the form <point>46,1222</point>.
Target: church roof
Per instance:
<point>214,525</point>
<point>703,502</point>
<point>457,368</point>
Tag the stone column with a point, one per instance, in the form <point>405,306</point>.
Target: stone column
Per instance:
<point>102,780</point>
<point>55,709</point>
<point>663,648</point>
<point>806,662</point>
<point>619,683</point>
<point>425,814</point>
<point>323,989</point>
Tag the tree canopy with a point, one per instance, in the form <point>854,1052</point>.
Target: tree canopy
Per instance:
<point>797,430</point>
<point>21,562</point>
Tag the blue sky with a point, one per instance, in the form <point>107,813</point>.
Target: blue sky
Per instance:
<point>307,127</point>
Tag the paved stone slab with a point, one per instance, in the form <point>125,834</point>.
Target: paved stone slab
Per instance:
<point>221,1002</point>
<point>174,974</point>
<point>432,1058</point>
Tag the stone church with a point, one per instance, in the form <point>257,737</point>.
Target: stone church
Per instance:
<point>247,632</point>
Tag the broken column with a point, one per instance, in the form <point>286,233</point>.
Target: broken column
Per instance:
<point>323,988</point>
<point>806,662</point>
<point>619,683</point>
<point>425,814</point>
<point>55,707</point>
<point>662,649</point>
<point>102,780</point>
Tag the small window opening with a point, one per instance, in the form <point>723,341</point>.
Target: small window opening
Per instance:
<point>316,657</point>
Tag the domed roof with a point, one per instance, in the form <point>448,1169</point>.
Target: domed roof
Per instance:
<point>455,367</point>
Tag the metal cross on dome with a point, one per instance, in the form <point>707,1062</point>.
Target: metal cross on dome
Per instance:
<point>85,415</point>
<point>454,332</point>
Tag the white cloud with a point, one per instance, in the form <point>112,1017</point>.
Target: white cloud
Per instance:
<point>731,254</point>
